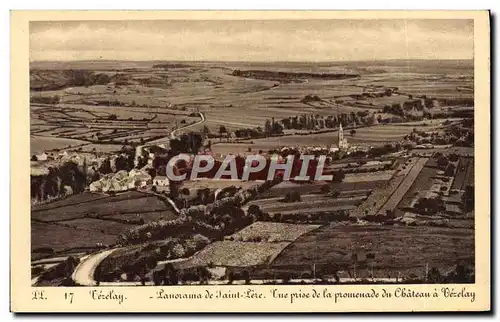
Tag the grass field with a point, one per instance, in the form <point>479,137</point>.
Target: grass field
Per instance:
<point>272,232</point>
<point>146,216</point>
<point>396,249</point>
<point>74,222</point>
<point>236,254</point>
<point>308,203</point>
<point>283,188</point>
<point>39,144</point>
<point>216,184</point>
<point>129,203</point>
<point>107,227</point>
<point>61,238</point>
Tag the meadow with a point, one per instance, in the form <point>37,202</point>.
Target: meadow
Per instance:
<point>84,220</point>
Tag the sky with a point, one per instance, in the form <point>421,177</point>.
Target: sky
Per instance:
<point>252,40</point>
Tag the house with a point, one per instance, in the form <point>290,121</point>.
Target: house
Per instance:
<point>139,178</point>
<point>161,181</point>
<point>42,157</point>
<point>454,210</point>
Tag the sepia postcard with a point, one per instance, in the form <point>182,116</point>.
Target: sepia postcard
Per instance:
<point>250,161</point>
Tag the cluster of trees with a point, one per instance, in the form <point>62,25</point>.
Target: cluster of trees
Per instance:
<point>320,217</point>
<point>461,274</point>
<point>316,121</point>
<point>45,99</point>
<point>215,220</point>
<point>384,150</point>
<point>289,76</point>
<point>52,185</point>
<point>80,77</point>
<point>272,128</point>
<point>429,206</point>
<point>61,271</point>
<point>187,143</point>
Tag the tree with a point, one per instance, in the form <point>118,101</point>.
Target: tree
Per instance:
<point>254,210</point>
<point>222,130</point>
<point>442,162</point>
<point>338,177</point>
<point>246,277</point>
<point>105,166</point>
<point>205,132</point>
<point>34,158</point>
<point>325,189</point>
<point>353,131</point>
<point>450,170</point>
<point>267,127</point>
<point>434,276</point>
<point>292,196</point>
<point>468,198</point>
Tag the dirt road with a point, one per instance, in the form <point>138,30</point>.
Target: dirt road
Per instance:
<point>84,272</point>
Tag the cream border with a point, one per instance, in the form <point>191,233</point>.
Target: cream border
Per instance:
<point>138,297</point>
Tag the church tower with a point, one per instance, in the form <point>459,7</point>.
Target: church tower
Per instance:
<point>342,141</point>
<point>341,135</point>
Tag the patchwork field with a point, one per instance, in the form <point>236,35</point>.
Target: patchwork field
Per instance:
<point>373,135</point>
<point>236,254</point>
<point>465,174</point>
<point>403,250</point>
<point>39,144</point>
<point>84,220</point>
<point>308,203</point>
<point>59,238</point>
<point>153,100</point>
<point>130,203</point>
<point>272,232</point>
<point>257,244</point>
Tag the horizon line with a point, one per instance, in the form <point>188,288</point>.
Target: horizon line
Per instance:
<point>244,61</point>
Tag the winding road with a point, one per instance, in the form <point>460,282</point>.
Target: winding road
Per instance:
<point>84,272</point>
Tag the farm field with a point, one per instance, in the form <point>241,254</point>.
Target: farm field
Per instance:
<point>404,186</point>
<point>464,175</point>
<point>236,254</point>
<point>308,203</point>
<point>370,176</point>
<point>272,232</point>
<point>404,250</point>
<point>107,227</point>
<point>74,222</point>
<point>422,184</point>
<point>146,216</point>
<point>129,202</point>
<point>283,188</point>
<point>216,184</point>
<point>59,238</point>
<point>146,98</point>
<point>373,135</point>
<point>39,144</point>
<point>383,190</point>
